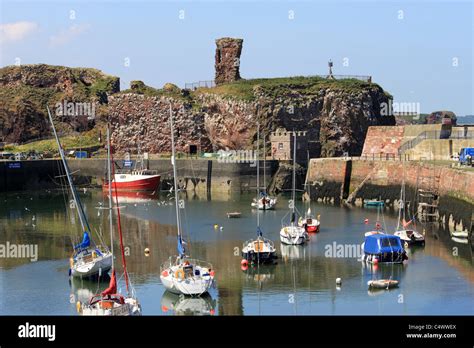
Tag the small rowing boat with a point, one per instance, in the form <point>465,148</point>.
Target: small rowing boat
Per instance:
<point>233,215</point>
<point>382,284</point>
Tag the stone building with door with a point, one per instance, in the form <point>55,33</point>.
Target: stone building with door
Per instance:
<point>282,145</point>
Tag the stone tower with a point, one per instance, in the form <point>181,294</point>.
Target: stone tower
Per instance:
<point>228,59</point>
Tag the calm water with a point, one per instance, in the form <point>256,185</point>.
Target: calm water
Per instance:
<point>303,282</point>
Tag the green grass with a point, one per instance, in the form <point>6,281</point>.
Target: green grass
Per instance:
<point>282,86</point>
<point>84,141</point>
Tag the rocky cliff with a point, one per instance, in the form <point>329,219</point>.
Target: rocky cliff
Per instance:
<point>26,90</point>
<point>335,113</point>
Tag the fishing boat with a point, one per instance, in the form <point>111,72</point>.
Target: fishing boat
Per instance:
<point>291,233</point>
<point>136,180</point>
<point>181,274</point>
<point>88,258</point>
<point>259,250</point>
<point>110,302</point>
<point>264,201</point>
<point>309,222</point>
<point>382,284</point>
<point>380,248</point>
<point>408,235</point>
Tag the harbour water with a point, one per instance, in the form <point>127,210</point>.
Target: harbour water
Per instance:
<point>438,279</point>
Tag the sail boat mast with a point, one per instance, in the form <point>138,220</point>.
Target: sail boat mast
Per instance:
<point>257,155</point>
<point>264,165</point>
<point>173,162</point>
<point>78,205</point>
<point>293,196</point>
<point>109,174</point>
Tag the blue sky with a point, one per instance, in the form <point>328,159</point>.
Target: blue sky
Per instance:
<point>419,51</point>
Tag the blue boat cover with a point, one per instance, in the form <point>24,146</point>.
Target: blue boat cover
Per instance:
<point>86,241</point>
<point>382,243</point>
<point>181,249</point>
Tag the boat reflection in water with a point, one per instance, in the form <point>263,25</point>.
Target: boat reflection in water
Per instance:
<point>185,305</point>
<point>294,252</point>
<point>259,273</point>
<point>83,289</point>
<point>138,197</point>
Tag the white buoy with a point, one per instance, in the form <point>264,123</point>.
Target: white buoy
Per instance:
<point>338,281</point>
<point>221,228</point>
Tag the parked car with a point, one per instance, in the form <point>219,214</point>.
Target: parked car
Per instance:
<point>466,156</point>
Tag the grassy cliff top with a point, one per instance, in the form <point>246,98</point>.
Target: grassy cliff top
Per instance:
<point>281,86</point>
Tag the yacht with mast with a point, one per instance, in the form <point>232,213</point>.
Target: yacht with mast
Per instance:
<point>292,233</point>
<point>110,302</point>
<point>181,274</point>
<point>409,236</point>
<point>263,201</point>
<point>88,259</point>
<point>259,250</point>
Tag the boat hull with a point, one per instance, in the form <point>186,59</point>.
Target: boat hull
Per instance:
<point>385,258</point>
<point>293,235</point>
<point>101,264</point>
<point>259,257</point>
<point>144,183</point>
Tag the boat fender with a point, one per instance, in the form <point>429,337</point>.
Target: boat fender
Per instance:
<point>71,262</point>
<point>78,307</point>
<point>94,255</point>
<point>211,273</point>
<point>179,274</point>
<point>164,273</point>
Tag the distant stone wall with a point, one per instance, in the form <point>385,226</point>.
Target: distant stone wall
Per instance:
<point>383,140</point>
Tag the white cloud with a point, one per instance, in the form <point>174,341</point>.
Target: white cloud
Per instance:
<point>68,35</point>
<point>10,32</point>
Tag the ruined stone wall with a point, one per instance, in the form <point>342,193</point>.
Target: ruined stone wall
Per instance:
<point>227,60</point>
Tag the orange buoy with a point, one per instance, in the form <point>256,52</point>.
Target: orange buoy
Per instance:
<point>244,262</point>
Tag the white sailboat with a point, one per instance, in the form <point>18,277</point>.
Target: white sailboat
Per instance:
<point>181,274</point>
<point>88,259</point>
<point>408,235</point>
<point>110,302</point>
<point>263,201</point>
<point>292,233</point>
<point>259,250</point>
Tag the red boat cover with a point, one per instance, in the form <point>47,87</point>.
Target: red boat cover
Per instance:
<point>112,289</point>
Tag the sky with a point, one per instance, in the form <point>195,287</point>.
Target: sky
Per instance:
<point>419,51</point>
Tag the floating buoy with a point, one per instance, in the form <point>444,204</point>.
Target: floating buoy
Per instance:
<point>147,251</point>
<point>244,262</point>
<point>216,226</point>
<point>221,228</point>
<point>338,281</point>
